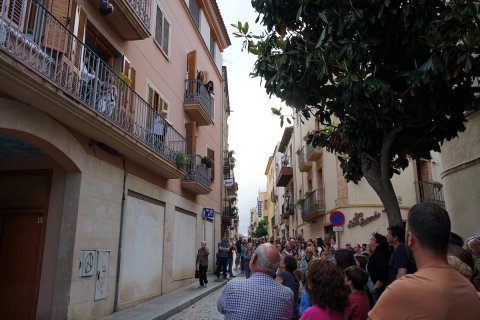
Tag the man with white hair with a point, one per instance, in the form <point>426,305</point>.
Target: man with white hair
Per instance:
<point>258,297</point>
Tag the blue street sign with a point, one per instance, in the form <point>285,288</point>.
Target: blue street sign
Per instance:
<point>208,213</point>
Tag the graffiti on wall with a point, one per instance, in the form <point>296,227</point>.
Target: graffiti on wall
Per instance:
<point>359,220</point>
<point>102,274</point>
<point>87,263</point>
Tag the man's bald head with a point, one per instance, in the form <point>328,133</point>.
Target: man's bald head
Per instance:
<point>266,259</point>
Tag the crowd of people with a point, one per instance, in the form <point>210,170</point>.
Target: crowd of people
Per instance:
<point>428,273</point>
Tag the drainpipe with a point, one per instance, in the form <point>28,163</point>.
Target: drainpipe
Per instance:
<point>120,237</point>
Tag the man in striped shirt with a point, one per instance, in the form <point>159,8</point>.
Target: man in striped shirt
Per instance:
<point>258,297</point>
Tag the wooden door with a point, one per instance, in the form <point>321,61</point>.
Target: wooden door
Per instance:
<point>20,260</point>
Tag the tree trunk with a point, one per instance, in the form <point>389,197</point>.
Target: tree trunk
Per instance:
<point>384,189</point>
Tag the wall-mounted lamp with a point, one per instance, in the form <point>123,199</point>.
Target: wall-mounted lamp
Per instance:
<point>105,8</point>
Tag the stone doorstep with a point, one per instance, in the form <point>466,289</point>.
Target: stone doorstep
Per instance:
<point>169,304</point>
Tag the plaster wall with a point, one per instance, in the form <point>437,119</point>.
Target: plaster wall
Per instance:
<point>461,171</point>
<point>84,214</point>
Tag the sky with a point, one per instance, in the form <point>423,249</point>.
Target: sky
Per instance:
<point>253,129</point>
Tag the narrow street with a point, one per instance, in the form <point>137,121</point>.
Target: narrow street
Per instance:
<point>203,309</point>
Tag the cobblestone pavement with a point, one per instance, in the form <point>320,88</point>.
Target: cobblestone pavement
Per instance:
<point>203,309</point>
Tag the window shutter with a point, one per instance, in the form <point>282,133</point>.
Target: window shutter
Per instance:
<point>159,26</point>
<point>192,65</point>
<point>166,35</point>
<point>132,75</point>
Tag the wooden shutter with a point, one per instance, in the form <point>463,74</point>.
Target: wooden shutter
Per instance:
<point>127,101</point>
<point>211,156</point>
<point>15,12</point>
<point>56,35</point>
<point>192,65</point>
<point>191,129</point>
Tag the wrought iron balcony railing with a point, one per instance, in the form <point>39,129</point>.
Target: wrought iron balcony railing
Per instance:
<point>312,206</point>
<point>197,92</point>
<point>142,8</point>
<point>196,171</point>
<point>303,164</point>
<point>39,41</point>
<point>430,192</point>
<point>288,209</point>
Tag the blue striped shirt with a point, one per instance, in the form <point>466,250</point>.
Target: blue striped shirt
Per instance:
<point>258,297</point>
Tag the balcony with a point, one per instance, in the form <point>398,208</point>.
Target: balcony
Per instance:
<point>198,103</point>
<point>130,18</point>
<point>227,217</point>
<point>197,180</point>
<point>430,192</point>
<point>285,174</point>
<point>52,70</point>
<point>288,209</point>
<point>303,164</point>
<point>313,208</point>
<point>313,153</point>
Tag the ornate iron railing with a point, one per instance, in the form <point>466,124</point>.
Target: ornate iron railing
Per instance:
<point>312,205</point>
<point>32,35</point>
<point>196,171</point>
<point>197,92</point>
<point>288,209</point>
<point>430,192</point>
<point>302,157</point>
<point>142,8</point>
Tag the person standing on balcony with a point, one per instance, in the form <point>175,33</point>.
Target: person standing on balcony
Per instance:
<point>200,79</point>
<point>108,96</point>
<point>87,76</point>
<point>160,127</point>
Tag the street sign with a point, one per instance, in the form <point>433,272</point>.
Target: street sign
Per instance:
<point>337,218</point>
<point>208,213</point>
<point>336,229</point>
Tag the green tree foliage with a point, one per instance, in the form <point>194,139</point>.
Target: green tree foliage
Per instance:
<point>262,228</point>
<point>390,80</point>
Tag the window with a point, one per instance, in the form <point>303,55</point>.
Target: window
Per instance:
<point>157,102</point>
<point>195,11</point>
<point>212,47</point>
<point>162,31</point>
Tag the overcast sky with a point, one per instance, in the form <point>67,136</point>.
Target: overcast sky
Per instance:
<point>254,130</point>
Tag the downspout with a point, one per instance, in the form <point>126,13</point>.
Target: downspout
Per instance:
<point>120,237</point>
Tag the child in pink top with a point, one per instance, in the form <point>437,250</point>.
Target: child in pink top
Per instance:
<point>356,278</point>
<point>327,291</point>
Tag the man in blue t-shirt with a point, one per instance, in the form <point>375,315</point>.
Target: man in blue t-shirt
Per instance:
<point>222,258</point>
<point>399,264</point>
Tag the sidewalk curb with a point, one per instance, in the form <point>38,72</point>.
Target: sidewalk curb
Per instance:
<point>188,303</point>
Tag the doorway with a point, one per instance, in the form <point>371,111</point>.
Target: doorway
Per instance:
<point>23,217</point>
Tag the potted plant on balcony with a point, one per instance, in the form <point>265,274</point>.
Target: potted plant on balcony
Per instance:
<point>181,160</point>
<point>207,162</point>
<point>285,162</point>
